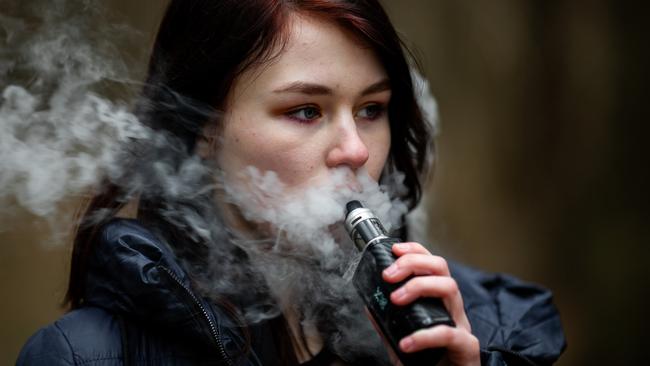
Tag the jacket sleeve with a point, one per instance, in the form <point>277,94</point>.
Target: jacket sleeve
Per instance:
<point>516,322</point>
<point>46,347</point>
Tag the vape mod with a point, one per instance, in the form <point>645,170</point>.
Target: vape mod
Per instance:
<point>395,322</point>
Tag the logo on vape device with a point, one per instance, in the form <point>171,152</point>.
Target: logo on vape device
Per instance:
<point>380,298</point>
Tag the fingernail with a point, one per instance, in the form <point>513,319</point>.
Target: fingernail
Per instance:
<point>400,293</point>
<point>391,270</point>
<point>406,344</point>
<point>402,246</point>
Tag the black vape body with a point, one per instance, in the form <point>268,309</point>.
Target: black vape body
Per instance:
<point>395,322</point>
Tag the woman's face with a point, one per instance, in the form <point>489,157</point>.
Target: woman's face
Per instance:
<point>321,104</point>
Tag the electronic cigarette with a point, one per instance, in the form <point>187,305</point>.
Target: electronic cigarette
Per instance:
<point>395,322</point>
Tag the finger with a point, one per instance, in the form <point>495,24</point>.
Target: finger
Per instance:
<point>425,286</point>
<point>409,247</point>
<point>415,264</point>
<point>442,287</point>
<point>460,344</point>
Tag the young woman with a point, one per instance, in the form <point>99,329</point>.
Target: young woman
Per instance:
<point>313,91</point>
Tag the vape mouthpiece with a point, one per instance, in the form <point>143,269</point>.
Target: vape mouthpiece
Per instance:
<point>351,206</point>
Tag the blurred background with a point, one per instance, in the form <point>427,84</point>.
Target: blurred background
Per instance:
<point>541,162</point>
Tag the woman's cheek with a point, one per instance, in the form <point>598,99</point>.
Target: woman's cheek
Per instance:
<point>293,164</point>
<point>380,145</point>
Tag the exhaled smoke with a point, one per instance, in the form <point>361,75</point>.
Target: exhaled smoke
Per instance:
<point>58,135</point>
<point>306,215</point>
<point>304,254</point>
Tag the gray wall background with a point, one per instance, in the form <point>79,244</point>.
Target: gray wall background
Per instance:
<point>540,171</point>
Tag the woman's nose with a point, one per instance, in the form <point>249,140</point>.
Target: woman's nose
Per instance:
<point>348,148</point>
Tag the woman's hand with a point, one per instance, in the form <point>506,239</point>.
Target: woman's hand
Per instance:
<point>432,279</point>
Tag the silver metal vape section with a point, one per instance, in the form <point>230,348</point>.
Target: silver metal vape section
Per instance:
<point>362,225</point>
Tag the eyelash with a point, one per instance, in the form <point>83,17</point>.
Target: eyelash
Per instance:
<point>380,109</point>
<point>293,114</point>
<point>379,112</point>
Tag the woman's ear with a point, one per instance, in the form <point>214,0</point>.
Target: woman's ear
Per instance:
<point>203,147</point>
<point>207,143</point>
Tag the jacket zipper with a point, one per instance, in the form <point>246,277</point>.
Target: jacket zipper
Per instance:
<point>213,329</point>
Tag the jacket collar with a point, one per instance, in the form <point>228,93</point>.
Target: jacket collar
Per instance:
<point>133,273</point>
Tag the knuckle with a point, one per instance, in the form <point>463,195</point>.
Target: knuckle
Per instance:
<point>418,247</point>
<point>439,263</point>
<point>447,334</point>
<point>415,262</point>
<point>413,285</point>
<point>417,285</point>
<point>404,261</point>
<point>474,343</point>
<point>442,263</point>
<point>422,335</point>
<point>451,287</point>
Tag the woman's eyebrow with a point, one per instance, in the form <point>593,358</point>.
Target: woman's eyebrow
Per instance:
<point>318,89</point>
<point>305,88</point>
<point>380,86</point>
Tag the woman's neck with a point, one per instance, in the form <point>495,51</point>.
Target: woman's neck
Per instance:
<point>305,338</point>
<point>304,335</point>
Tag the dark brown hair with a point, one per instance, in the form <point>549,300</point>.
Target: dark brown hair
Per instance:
<point>202,46</point>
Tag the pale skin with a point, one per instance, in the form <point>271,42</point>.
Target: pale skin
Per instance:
<point>321,105</point>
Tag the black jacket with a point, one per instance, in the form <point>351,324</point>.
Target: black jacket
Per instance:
<point>139,303</point>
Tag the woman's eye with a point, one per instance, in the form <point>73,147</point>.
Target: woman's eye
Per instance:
<point>305,114</point>
<point>371,112</point>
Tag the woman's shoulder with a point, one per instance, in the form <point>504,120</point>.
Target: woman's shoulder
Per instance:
<point>484,287</point>
<point>503,297</point>
<point>80,336</point>
<point>512,318</point>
